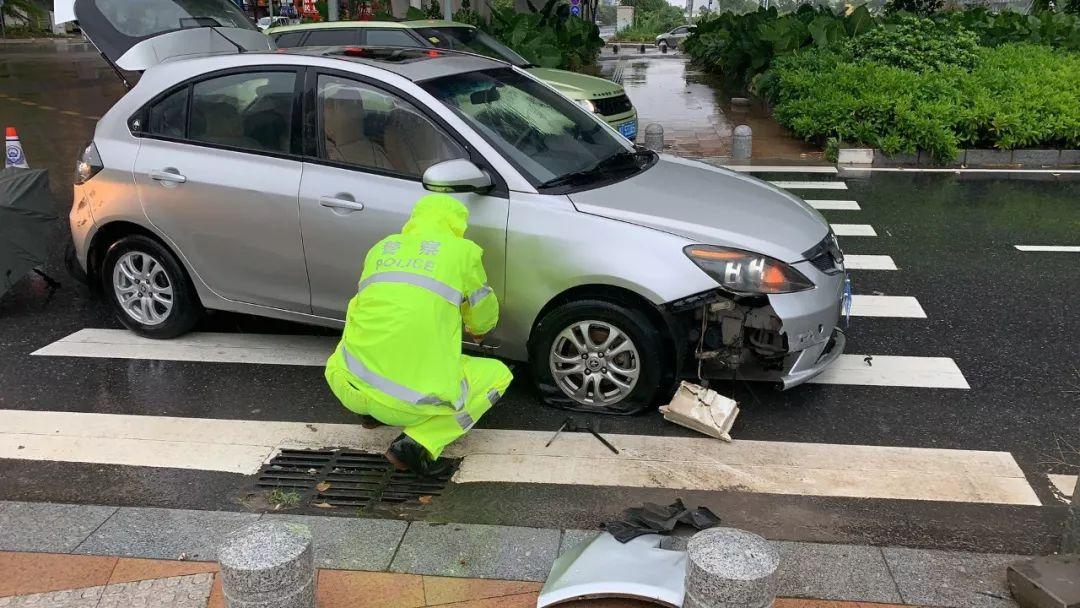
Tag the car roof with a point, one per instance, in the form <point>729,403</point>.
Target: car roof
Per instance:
<point>402,25</point>
<point>416,64</point>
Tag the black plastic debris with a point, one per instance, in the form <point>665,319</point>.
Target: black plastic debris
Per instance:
<point>658,519</point>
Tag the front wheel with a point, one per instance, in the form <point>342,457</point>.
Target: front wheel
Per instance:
<point>599,357</point>
<point>148,289</point>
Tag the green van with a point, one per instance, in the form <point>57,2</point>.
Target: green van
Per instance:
<point>601,96</point>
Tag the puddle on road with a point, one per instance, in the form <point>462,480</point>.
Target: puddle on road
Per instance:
<point>695,113</point>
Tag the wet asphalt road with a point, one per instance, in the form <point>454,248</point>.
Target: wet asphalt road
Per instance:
<point>1010,320</point>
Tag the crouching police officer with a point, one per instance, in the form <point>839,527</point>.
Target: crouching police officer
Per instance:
<point>399,360</point>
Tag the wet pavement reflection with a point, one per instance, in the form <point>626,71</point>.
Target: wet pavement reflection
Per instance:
<point>54,93</point>
<point>697,117</point>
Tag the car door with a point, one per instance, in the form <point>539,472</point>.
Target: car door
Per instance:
<point>369,146</point>
<point>218,172</point>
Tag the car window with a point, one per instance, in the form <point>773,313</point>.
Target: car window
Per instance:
<point>679,30</point>
<point>372,129</point>
<point>289,39</point>
<point>343,37</point>
<point>251,111</point>
<point>168,116</point>
<point>390,38</point>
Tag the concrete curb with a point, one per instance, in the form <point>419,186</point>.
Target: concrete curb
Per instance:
<point>807,570</point>
<point>976,158</point>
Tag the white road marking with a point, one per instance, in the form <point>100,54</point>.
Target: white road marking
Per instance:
<point>828,205</point>
<point>869,262</point>
<point>1050,248</point>
<point>202,347</point>
<point>1065,484</point>
<point>679,463</point>
<point>853,230</point>
<point>886,306</point>
<point>891,370</point>
<point>810,185</point>
<point>783,168</point>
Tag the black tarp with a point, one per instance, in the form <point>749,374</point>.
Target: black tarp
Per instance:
<point>27,223</point>
<point>658,519</point>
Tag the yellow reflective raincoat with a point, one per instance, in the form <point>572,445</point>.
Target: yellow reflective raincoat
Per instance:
<point>399,360</point>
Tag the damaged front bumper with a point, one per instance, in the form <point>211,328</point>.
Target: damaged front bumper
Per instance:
<point>786,338</point>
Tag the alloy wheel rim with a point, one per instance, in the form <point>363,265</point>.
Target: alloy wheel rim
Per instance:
<point>143,288</point>
<point>594,363</point>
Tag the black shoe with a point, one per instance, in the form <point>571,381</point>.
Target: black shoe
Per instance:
<point>416,457</point>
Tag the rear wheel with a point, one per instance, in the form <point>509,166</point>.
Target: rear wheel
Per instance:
<point>148,289</point>
<point>599,357</point>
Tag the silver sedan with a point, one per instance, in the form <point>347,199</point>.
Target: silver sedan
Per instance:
<point>234,177</point>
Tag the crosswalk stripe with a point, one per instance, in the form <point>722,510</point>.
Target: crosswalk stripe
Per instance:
<point>783,169</point>
<point>822,185</point>
<point>267,349</point>
<point>869,262</point>
<point>828,205</point>
<point>203,347</point>
<point>891,370</point>
<point>886,306</point>
<point>1050,248</point>
<point>854,230</point>
<point>679,463</point>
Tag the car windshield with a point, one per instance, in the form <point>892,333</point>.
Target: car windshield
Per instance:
<point>552,141</point>
<point>473,40</point>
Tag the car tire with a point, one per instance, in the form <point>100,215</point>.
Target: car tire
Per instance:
<point>554,378</point>
<point>159,299</point>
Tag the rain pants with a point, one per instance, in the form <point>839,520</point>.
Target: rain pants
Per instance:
<point>400,360</point>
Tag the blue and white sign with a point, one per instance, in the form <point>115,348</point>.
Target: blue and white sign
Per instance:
<point>575,11</point>
<point>628,129</point>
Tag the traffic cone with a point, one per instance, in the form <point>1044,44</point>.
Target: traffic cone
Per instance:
<point>13,151</point>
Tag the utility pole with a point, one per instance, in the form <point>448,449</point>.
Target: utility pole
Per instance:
<point>1071,542</point>
<point>448,10</point>
<point>332,8</point>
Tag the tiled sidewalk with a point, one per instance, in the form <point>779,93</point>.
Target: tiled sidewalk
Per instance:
<point>84,581</point>
<point>56,547</point>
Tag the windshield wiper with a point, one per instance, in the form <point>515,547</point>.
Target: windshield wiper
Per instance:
<point>615,162</point>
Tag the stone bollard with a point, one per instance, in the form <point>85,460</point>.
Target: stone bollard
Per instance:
<point>742,142</point>
<point>641,49</point>
<point>654,137</point>
<point>268,564</point>
<point>729,568</point>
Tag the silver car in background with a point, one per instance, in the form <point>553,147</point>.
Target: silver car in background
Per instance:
<point>237,178</point>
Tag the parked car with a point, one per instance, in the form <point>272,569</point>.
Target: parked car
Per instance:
<point>604,97</point>
<point>255,182</point>
<point>265,23</point>
<point>675,37</point>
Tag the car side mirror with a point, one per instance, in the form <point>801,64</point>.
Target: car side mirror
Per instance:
<point>457,175</point>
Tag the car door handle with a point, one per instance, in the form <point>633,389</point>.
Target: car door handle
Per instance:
<point>167,176</point>
<point>332,202</point>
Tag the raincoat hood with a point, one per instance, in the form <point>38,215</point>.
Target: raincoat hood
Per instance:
<point>438,213</point>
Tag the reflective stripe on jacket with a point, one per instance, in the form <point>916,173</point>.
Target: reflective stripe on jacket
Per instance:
<point>403,328</point>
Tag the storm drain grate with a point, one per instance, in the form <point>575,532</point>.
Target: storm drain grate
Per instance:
<point>347,478</point>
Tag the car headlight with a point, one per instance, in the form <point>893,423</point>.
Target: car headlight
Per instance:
<point>747,272</point>
<point>588,105</point>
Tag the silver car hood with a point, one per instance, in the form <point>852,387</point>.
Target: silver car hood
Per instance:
<point>711,206</point>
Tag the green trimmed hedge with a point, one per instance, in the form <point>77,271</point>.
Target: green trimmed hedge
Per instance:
<point>1017,96</point>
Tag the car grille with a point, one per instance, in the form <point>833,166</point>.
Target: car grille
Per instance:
<point>826,255</point>
<point>611,106</point>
